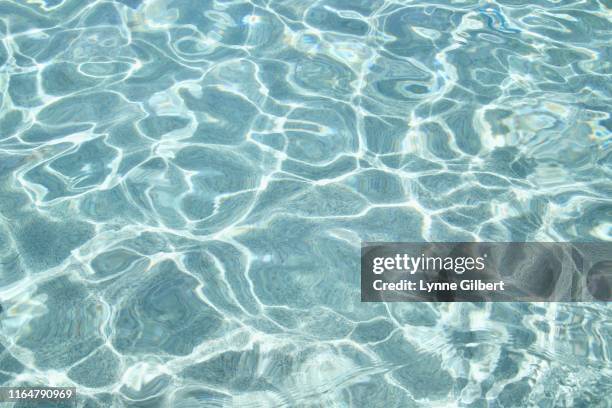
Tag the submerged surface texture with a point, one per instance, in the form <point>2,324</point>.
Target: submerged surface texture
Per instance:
<point>184,186</point>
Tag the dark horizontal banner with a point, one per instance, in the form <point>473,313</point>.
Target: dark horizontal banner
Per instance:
<point>486,272</point>
<point>33,396</point>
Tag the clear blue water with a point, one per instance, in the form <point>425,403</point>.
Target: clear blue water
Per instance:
<point>184,186</point>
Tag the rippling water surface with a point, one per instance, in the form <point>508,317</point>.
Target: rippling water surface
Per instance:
<point>184,186</point>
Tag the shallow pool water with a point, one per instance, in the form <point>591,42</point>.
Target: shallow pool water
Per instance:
<point>185,184</point>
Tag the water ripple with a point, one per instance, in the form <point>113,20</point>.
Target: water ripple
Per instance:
<point>184,186</point>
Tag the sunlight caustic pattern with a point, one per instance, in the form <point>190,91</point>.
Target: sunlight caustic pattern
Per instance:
<point>184,186</point>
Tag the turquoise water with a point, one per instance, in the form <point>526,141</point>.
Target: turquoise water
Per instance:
<point>184,186</point>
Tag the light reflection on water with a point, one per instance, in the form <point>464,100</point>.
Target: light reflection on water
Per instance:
<point>184,186</point>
